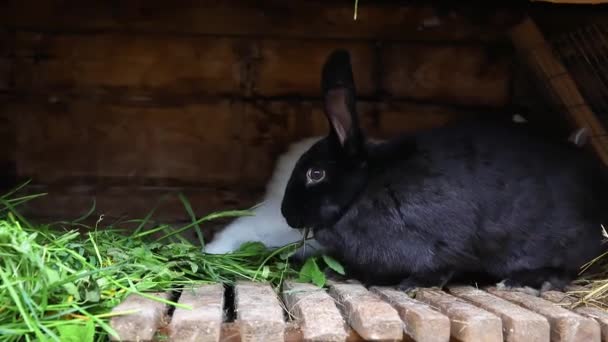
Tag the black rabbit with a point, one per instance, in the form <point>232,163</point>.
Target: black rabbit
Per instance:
<point>472,198</point>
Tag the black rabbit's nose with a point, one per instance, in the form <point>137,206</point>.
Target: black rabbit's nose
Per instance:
<point>292,220</point>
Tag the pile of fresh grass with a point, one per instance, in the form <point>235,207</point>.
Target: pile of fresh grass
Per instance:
<point>60,282</point>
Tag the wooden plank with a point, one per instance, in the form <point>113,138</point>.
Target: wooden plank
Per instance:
<point>204,322</point>
<point>194,143</point>
<point>259,312</point>
<point>141,325</point>
<point>468,322</point>
<point>563,299</point>
<point>5,72</point>
<point>7,149</point>
<point>162,68</point>
<point>565,325</point>
<point>293,333</point>
<point>537,53</point>
<point>319,19</point>
<point>315,310</point>
<point>467,75</point>
<point>366,313</point>
<point>6,62</point>
<point>223,143</point>
<point>422,323</point>
<point>113,62</point>
<point>518,324</point>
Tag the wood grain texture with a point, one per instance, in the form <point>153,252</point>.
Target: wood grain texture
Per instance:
<point>293,333</point>
<point>141,325</point>
<point>372,318</point>
<point>420,322</point>
<point>518,324</point>
<point>468,322</point>
<point>315,311</point>
<point>327,19</point>
<point>8,143</point>
<point>467,75</point>
<point>565,325</point>
<point>219,142</point>
<point>259,312</point>
<point>204,322</point>
<point>104,63</point>
<point>5,72</point>
<point>79,139</point>
<point>569,302</point>
<point>124,97</point>
<point>156,69</point>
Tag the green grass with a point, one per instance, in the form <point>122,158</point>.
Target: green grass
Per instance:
<point>59,282</point>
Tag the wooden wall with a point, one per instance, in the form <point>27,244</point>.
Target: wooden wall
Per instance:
<point>126,101</point>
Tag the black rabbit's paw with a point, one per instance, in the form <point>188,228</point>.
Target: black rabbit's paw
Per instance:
<point>435,279</point>
<point>333,276</point>
<point>408,284</point>
<point>516,286</point>
<point>535,281</point>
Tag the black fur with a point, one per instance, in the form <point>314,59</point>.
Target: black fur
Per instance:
<point>473,198</point>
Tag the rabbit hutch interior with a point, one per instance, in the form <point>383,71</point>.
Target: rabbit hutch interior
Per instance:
<point>446,163</point>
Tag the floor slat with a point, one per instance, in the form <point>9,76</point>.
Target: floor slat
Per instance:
<point>316,311</point>
<point>202,323</point>
<point>259,313</point>
<point>143,324</point>
<point>565,325</point>
<point>519,324</point>
<point>468,322</point>
<point>601,316</point>
<point>422,323</point>
<point>372,318</point>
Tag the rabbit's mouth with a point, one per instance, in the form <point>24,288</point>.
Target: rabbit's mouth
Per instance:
<point>295,222</point>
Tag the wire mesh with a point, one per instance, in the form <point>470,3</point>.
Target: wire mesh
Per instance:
<point>584,52</point>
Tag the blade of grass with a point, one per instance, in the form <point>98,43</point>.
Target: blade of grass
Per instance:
<point>192,215</point>
<point>16,189</point>
<point>212,216</point>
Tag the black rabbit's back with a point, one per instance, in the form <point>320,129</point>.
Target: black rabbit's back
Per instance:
<point>473,197</point>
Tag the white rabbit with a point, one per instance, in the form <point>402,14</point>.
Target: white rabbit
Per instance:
<point>267,225</point>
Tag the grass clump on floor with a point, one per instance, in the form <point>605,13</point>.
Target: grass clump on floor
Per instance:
<point>591,289</point>
<point>60,282</point>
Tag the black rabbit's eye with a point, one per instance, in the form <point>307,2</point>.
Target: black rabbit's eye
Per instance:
<point>314,175</point>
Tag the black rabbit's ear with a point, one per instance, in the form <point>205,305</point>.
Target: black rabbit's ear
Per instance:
<point>339,94</point>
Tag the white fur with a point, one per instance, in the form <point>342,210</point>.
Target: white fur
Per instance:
<point>579,137</point>
<point>267,225</point>
<point>518,118</point>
